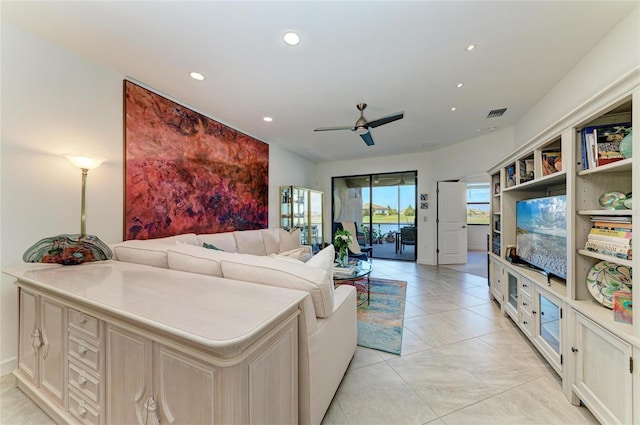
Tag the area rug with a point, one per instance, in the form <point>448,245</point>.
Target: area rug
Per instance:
<point>381,321</point>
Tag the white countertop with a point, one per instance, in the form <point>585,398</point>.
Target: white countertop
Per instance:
<point>222,315</point>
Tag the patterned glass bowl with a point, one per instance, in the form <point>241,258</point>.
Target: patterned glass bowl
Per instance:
<point>612,200</point>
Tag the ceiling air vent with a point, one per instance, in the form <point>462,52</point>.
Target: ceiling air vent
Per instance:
<point>496,113</point>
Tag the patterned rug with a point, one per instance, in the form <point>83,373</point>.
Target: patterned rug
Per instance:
<point>381,321</point>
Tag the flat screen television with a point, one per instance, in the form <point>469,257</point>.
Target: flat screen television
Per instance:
<point>541,234</point>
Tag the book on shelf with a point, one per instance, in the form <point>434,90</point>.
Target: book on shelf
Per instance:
<point>551,162</point>
<point>511,175</point>
<point>601,144</point>
<point>597,232</point>
<point>612,249</point>
<point>612,218</point>
<point>613,225</point>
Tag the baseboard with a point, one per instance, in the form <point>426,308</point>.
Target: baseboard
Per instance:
<point>9,365</point>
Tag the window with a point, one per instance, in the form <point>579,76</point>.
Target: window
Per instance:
<point>478,203</point>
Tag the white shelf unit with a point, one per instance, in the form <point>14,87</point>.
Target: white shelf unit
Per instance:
<point>588,332</point>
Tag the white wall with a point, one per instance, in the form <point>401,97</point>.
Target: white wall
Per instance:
<point>469,158</point>
<point>55,102</point>
<point>613,57</point>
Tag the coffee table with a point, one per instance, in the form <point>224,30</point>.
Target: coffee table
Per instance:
<point>362,269</point>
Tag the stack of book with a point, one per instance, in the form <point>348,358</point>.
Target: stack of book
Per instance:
<point>601,144</point>
<point>611,235</point>
<point>348,271</point>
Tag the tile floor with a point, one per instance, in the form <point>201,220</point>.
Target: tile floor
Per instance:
<point>462,362</point>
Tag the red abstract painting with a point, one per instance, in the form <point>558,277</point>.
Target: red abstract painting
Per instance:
<point>186,173</point>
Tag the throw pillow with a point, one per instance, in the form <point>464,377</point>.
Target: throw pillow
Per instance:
<point>289,241</point>
<point>211,246</point>
<point>324,260</point>
<point>298,254</point>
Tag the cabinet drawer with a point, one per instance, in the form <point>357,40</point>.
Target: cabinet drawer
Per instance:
<point>526,287</point>
<point>83,323</point>
<point>84,352</point>
<point>526,303</point>
<point>83,411</point>
<point>84,382</point>
<point>526,322</point>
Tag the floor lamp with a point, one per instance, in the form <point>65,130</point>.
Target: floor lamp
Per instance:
<point>72,249</point>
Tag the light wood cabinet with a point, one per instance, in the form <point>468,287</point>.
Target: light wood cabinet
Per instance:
<point>230,357</point>
<point>41,344</point>
<point>590,350</point>
<point>603,372</point>
<point>496,279</point>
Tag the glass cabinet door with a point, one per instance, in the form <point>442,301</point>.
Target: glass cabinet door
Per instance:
<point>315,210</point>
<point>550,322</point>
<point>513,290</point>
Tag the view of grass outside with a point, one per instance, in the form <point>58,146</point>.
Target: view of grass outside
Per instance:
<point>478,203</point>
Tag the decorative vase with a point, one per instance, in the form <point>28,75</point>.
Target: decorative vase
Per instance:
<point>343,257</point>
<point>626,147</point>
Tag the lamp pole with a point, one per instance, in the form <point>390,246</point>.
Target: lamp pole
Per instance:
<point>83,204</point>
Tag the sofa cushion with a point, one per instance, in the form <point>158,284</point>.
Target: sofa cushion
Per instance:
<point>284,273</point>
<point>195,259</point>
<point>271,239</point>
<point>225,241</point>
<point>249,242</point>
<point>151,252</point>
<point>299,254</point>
<point>289,241</point>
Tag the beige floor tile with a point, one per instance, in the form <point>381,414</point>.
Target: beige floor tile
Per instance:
<point>539,402</point>
<point>377,395</point>
<point>16,408</point>
<point>444,386</point>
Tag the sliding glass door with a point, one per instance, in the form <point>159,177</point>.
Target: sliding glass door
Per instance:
<point>384,209</point>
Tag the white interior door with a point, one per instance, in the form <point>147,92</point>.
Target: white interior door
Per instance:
<point>452,223</point>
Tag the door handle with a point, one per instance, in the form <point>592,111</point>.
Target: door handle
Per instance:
<point>464,226</point>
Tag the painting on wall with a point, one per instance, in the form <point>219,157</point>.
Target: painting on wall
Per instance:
<point>186,173</point>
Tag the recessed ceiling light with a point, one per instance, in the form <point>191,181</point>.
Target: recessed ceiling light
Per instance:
<point>470,47</point>
<point>459,85</point>
<point>197,76</point>
<point>268,119</point>
<point>453,108</point>
<point>291,38</point>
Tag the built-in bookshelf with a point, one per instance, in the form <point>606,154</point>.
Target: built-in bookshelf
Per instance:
<point>579,156</point>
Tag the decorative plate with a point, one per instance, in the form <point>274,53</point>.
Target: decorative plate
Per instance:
<point>605,278</point>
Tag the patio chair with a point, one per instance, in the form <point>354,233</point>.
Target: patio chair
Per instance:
<point>356,249</point>
<point>407,237</point>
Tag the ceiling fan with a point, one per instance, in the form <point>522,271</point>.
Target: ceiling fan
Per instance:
<point>362,126</point>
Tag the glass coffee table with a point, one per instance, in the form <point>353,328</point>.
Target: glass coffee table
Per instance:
<point>362,269</point>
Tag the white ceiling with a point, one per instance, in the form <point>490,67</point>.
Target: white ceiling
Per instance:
<point>395,56</point>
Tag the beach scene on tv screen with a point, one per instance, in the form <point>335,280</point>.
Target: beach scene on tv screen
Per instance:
<point>541,233</point>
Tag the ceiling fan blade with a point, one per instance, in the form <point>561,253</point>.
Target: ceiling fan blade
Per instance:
<point>385,120</point>
<point>367,138</point>
<point>333,128</point>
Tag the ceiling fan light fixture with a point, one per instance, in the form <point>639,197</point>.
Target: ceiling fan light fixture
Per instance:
<point>362,130</point>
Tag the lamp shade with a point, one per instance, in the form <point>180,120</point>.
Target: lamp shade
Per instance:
<point>85,162</point>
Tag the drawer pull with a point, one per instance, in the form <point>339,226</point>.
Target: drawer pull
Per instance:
<point>525,304</point>
<point>574,349</point>
<point>82,349</point>
<point>534,312</point>
<point>82,319</point>
<point>81,379</point>
<point>81,409</point>
<point>525,322</point>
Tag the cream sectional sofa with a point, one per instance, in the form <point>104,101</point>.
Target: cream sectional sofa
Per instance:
<point>327,325</point>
